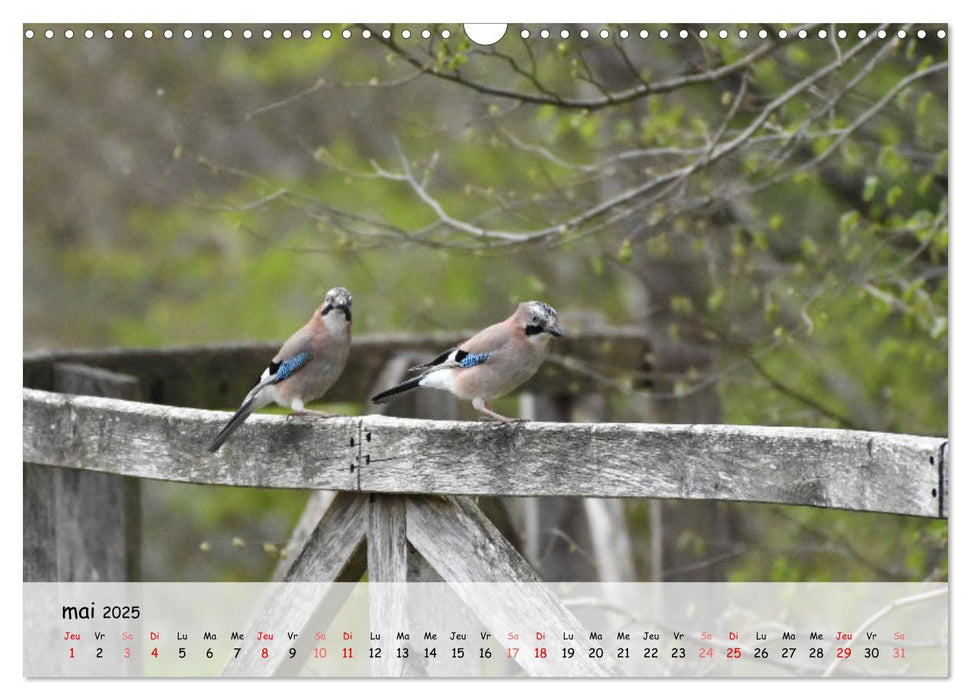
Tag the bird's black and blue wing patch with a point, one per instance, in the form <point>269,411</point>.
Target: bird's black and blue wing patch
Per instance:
<point>471,359</point>
<point>288,367</point>
<point>456,357</point>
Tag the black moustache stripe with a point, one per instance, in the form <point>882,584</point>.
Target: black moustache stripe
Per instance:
<point>534,329</point>
<point>330,307</point>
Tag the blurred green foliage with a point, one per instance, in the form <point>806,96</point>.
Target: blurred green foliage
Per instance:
<point>207,191</point>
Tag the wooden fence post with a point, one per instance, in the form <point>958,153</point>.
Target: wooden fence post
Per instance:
<point>40,548</point>
<point>81,525</point>
<point>387,553</point>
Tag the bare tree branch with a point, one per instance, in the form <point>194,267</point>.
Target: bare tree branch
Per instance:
<point>608,100</point>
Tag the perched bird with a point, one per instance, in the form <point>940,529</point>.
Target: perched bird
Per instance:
<point>306,366</point>
<point>491,363</point>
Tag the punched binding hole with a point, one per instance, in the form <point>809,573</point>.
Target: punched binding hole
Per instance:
<point>485,34</point>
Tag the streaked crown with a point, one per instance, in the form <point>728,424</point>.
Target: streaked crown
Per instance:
<point>338,297</point>
<point>540,310</point>
<point>540,317</point>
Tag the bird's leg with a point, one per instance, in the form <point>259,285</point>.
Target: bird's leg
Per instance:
<point>479,405</point>
<point>297,409</point>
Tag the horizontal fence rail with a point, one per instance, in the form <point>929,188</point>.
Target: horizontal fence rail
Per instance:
<point>854,470</point>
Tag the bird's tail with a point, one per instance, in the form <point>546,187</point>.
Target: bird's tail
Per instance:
<point>413,383</point>
<point>234,422</point>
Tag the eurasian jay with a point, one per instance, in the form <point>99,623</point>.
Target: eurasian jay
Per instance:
<point>491,363</point>
<point>306,366</point>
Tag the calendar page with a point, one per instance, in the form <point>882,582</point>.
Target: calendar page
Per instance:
<point>485,351</point>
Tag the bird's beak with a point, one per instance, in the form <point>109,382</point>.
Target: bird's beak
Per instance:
<point>556,331</point>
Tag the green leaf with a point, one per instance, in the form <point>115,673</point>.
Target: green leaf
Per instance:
<point>760,240</point>
<point>870,187</point>
<point>893,194</point>
<point>457,61</point>
<point>716,299</point>
<point>849,221</point>
<point>626,251</point>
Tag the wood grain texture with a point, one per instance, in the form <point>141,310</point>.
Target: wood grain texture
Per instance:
<point>40,517</point>
<point>98,526</point>
<point>317,505</point>
<point>97,515</point>
<point>219,376</point>
<point>466,549</point>
<point>825,468</point>
<point>855,470</point>
<point>387,544</point>
<point>387,554</point>
<point>335,549</point>
<point>163,442</point>
<point>334,552</point>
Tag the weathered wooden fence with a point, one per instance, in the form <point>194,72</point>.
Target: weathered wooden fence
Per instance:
<point>394,494</point>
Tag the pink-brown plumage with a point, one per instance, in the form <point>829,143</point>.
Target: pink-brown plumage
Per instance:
<point>513,359</point>
<point>305,367</point>
<point>493,362</point>
<point>313,381</point>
